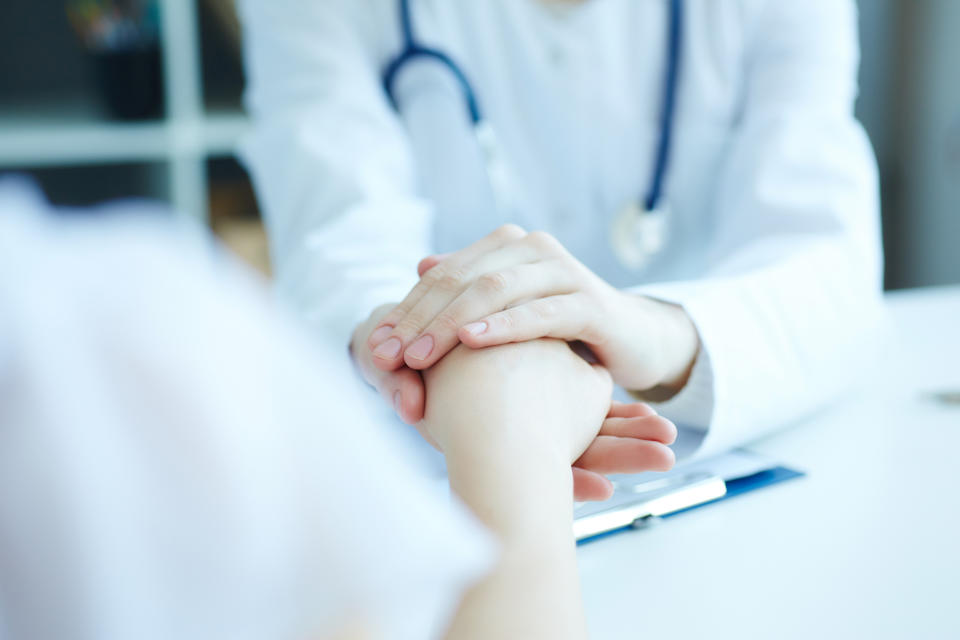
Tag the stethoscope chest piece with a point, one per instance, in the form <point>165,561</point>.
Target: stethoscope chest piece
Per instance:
<point>637,235</point>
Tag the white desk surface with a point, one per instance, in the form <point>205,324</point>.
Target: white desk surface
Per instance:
<point>866,546</point>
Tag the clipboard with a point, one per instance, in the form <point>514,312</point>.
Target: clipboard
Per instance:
<point>641,499</point>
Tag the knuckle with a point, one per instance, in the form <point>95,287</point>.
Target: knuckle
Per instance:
<point>400,309</point>
<point>446,322</point>
<point>509,231</point>
<point>544,242</point>
<point>494,282</point>
<point>591,333</point>
<point>547,308</point>
<point>508,320</point>
<point>430,278</point>
<point>392,318</point>
<point>409,327</point>
<point>451,281</point>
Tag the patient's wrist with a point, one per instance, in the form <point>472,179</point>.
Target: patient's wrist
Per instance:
<point>517,496</point>
<point>511,420</point>
<point>516,481</point>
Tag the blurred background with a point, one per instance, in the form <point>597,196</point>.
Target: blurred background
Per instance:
<point>105,99</point>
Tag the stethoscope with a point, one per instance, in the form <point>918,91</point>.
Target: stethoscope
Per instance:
<point>639,230</point>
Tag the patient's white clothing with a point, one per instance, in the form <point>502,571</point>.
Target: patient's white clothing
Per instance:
<point>177,461</point>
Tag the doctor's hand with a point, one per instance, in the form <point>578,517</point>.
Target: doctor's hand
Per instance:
<point>402,387</point>
<point>513,286</point>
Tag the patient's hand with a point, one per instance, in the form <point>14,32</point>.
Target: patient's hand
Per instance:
<point>536,394</point>
<point>632,439</point>
<point>511,419</point>
<point>544,385</point>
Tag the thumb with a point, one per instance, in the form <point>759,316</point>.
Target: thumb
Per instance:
<point>402,389</point>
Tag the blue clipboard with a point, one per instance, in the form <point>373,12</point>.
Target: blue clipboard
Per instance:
<point>689,492</point>
<point>740,486</point>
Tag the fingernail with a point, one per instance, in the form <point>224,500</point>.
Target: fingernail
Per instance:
<point>380,334</point>
<point>396,401</point>
<point>476,328</point>
<point>421,348</point>
<point>389,349</point>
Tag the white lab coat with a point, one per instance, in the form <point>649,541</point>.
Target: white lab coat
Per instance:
<point>178,461</point>
<point>773,243</point>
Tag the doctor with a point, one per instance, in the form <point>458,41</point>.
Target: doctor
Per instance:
<point>706,203</point>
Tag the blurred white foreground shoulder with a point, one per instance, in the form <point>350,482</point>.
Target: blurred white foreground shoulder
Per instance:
<point>176,460</point>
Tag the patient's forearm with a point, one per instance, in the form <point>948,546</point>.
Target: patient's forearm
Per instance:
<point>533,591</point>
<point>513,419</point>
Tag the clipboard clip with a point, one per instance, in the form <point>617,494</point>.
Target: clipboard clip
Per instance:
<point>687,492</point>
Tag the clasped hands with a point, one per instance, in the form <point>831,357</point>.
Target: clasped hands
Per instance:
<point>512,286</point>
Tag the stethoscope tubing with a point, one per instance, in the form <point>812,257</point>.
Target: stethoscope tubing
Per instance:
<point>669,106</point>
<point>413,50</point>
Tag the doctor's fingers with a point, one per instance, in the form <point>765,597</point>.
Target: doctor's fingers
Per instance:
<point>450,275</point>
<point>491,292</point>
<point>572,316</point>
<point>403,389</point>
<point>612,454</point>
<point>489,277</point>
<point>446,276</point>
